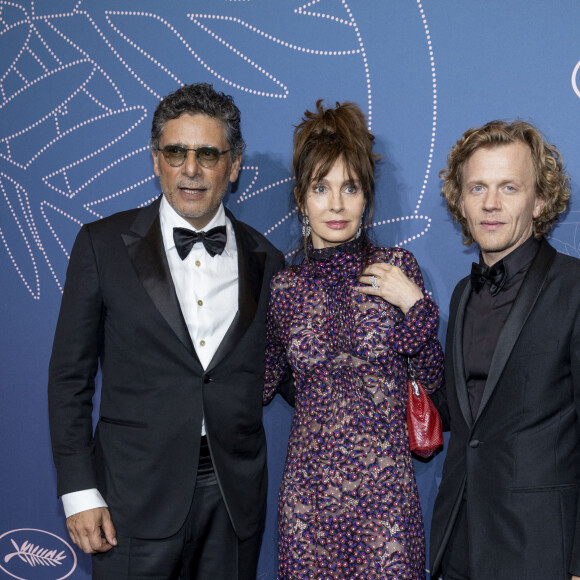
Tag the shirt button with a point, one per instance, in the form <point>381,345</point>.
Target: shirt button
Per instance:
<point>200,302</point>
<point>202,342</point>
<point>197,263</point>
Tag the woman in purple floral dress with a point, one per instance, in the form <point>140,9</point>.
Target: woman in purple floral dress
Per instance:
<point>345,322</point>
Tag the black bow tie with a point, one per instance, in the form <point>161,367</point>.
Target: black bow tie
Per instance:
<point>213,240</point>
<point>496,275</point>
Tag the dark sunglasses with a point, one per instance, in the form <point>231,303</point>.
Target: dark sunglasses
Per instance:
<point>206,156</point>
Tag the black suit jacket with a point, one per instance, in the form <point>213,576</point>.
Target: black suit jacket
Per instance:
<point>120,310</point>
<point>518,461</point>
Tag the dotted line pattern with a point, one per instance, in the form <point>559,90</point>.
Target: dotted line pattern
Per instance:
<point>61,110</point>
<point>46,46</point>
<point>67,182</point>
<point>56,115</point>
<point>33,54</point>
<point>405,218</point>
<point>25,209</point>
<point>12,67</point>
<point>275,39</point>
<point>108,14</point>
<point>83,124</point>
<point>19,272</point>
<point>20,75</point>
<point>280,222</point>
<point>434,121</point>
<point>84,52</point>
<point>37,80</point>
<point>95,100</point>
<point>351,22</point>
<point>149,201</point>
<point>64,171</point>
<point>32,228</point>
<point>246,195</point>
<point>194,18</point>
<point>302,10</point>
<point>46,204</point>
<point>88,205</point>
<point>74,12</point>
<point>12,5</point>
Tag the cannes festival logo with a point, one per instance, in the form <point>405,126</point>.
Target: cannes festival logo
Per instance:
<point>30,554</point>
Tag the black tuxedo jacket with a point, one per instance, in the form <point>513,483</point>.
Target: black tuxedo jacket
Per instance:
<point>120,310</point>
<point>518,460</point>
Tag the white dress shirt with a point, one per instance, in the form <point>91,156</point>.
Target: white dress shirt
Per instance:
<point>207,290</point>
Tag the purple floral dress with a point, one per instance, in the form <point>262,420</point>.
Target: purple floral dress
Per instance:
<point>348,504</point>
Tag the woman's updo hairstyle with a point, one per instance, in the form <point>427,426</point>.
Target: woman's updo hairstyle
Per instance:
<point>327,135</point>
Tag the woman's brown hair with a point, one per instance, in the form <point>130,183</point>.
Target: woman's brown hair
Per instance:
<point>323,137</point>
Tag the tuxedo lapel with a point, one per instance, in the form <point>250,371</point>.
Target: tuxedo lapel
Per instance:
<point>458,363</point>
<point>521,309</point>
<point>144,244</point>
<point>250,276</point>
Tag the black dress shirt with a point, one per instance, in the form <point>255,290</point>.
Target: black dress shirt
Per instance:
<point>485,316</point>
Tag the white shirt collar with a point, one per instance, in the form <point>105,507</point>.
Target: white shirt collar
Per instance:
<point>170,219</point>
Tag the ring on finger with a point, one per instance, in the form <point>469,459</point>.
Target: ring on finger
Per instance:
<point>374,282</point>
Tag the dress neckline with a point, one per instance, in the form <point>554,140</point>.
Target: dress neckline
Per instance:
<point>351,247</point>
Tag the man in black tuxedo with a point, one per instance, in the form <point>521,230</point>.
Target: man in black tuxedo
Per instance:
<point>507,507</point>
<point>170,300</point>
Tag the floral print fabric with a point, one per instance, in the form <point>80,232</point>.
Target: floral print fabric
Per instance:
<point>348,504</point>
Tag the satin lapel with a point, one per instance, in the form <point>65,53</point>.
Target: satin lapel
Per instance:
<point>521,309</point>
<point>250,276</point>
<point>145,247</point>
<point>458,363</point>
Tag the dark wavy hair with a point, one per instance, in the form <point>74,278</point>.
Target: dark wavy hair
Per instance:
<point>323,137</point>
<point>552,180</point>
<point>200,98</point>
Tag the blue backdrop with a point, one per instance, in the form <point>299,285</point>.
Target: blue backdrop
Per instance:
<point>79,81</point>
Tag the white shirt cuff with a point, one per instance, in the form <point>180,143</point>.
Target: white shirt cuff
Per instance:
<point>80,501</point>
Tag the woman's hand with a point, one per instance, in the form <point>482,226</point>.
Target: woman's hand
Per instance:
<point>391,284</point>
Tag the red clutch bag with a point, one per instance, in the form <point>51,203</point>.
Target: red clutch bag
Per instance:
<point>423,420</point>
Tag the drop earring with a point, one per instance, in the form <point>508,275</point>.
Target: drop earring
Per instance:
<point>358,233</point>
<point>305,226</point>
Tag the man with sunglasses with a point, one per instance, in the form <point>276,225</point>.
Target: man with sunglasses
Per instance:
<point>170,300</point>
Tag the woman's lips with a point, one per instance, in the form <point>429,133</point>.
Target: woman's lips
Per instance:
<point>337,225</point>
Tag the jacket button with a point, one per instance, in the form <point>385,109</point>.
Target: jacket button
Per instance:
<point>474,443</point>
<point>207,379</point>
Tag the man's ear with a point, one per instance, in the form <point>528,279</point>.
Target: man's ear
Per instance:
<point>462,206</point>
<point>155,155</point>
<point>235,170</point>
<point>538,207</point>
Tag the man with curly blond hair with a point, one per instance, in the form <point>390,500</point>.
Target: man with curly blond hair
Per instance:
<point>507,506</point>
